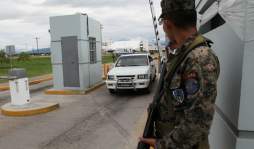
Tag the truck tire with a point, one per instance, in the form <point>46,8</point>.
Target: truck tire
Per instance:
<point>111,91</point>
<point>148,89</point>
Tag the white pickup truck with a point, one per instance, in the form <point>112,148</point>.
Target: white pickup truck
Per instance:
<point>131,71</point>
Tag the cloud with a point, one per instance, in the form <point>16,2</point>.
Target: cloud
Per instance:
<point>22,20</point>
<point>94,3</point>
<point>121,24</point>
<point>10,10</point>
<point>18,9</point>
<point>19,33</point>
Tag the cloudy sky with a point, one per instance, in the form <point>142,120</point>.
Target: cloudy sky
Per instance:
<point>23,20</point>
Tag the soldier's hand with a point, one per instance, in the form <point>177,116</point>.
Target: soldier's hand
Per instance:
<point>150,141</point>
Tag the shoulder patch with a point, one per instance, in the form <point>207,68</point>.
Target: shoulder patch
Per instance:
<point>191,86</point>
<point>178,95</point>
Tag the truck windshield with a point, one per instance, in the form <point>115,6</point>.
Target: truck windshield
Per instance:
<point>140,60</point>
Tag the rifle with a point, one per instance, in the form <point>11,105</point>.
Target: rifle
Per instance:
<point>152,113</point>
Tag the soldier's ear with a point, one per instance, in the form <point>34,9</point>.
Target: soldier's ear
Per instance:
<point>167,25</point>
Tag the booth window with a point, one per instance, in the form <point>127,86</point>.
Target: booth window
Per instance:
<point>212,24</point>
<point>92,46</point>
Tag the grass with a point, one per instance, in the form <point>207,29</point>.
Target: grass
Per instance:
<point>36,66</point>
<point>107,58</point>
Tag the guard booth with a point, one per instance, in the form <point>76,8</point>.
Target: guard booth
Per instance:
<point>76,51</point>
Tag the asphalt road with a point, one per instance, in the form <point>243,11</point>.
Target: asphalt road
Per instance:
<point>97,120</point>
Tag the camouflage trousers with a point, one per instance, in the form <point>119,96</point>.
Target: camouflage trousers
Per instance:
<point>162,128</point>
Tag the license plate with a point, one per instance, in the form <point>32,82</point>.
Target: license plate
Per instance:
<point>124,85</point>
<point>124,80</point>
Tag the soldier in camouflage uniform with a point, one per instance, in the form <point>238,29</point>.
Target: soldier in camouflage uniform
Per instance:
<point>187,106</point>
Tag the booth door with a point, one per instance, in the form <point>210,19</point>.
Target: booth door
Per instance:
<point>70,61</point>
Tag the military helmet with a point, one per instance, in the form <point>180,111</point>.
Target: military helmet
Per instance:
<point>170,6</point>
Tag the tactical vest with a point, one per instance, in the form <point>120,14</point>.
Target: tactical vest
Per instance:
<point>166,125</point>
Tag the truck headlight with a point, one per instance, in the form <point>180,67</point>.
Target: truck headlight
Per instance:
<point>143,76</point>
<point>111,77</point>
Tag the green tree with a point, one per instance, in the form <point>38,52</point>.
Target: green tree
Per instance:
<point>23,56</point>
<point>3,57</point>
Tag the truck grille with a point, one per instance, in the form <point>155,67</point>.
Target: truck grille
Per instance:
<point>126,76</point>
<point>125,81</point>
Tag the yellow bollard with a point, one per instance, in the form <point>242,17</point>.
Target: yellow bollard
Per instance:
<point>104,70</point>
<point>108,68</point>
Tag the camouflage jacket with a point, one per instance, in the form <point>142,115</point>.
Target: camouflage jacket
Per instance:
<point>188,101</point>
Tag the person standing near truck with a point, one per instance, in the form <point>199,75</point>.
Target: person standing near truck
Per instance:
<point>186,108</point>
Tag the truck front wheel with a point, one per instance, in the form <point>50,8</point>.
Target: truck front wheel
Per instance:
<point>112,91</point>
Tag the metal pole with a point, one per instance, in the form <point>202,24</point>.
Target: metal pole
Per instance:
<point>11,60</point>
<point>37,44</point>
<point>155,25</point>
<point>26,46</point>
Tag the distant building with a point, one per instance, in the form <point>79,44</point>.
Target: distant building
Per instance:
<point>10,50</point>
<point>129,46</point>
<point>107,46</point>
<point>153,48</point>
<point>42,51</point>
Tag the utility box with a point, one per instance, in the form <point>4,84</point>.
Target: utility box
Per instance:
<point>76,42</point>
<point>19,87</point>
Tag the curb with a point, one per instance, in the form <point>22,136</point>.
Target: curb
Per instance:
<point>93,88</point>
<point>41,80</point>
<point>6,88</point>
<point>74,92</point>
<point>50,77</point>
<point>31,112</point>
<point>64,92</point>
